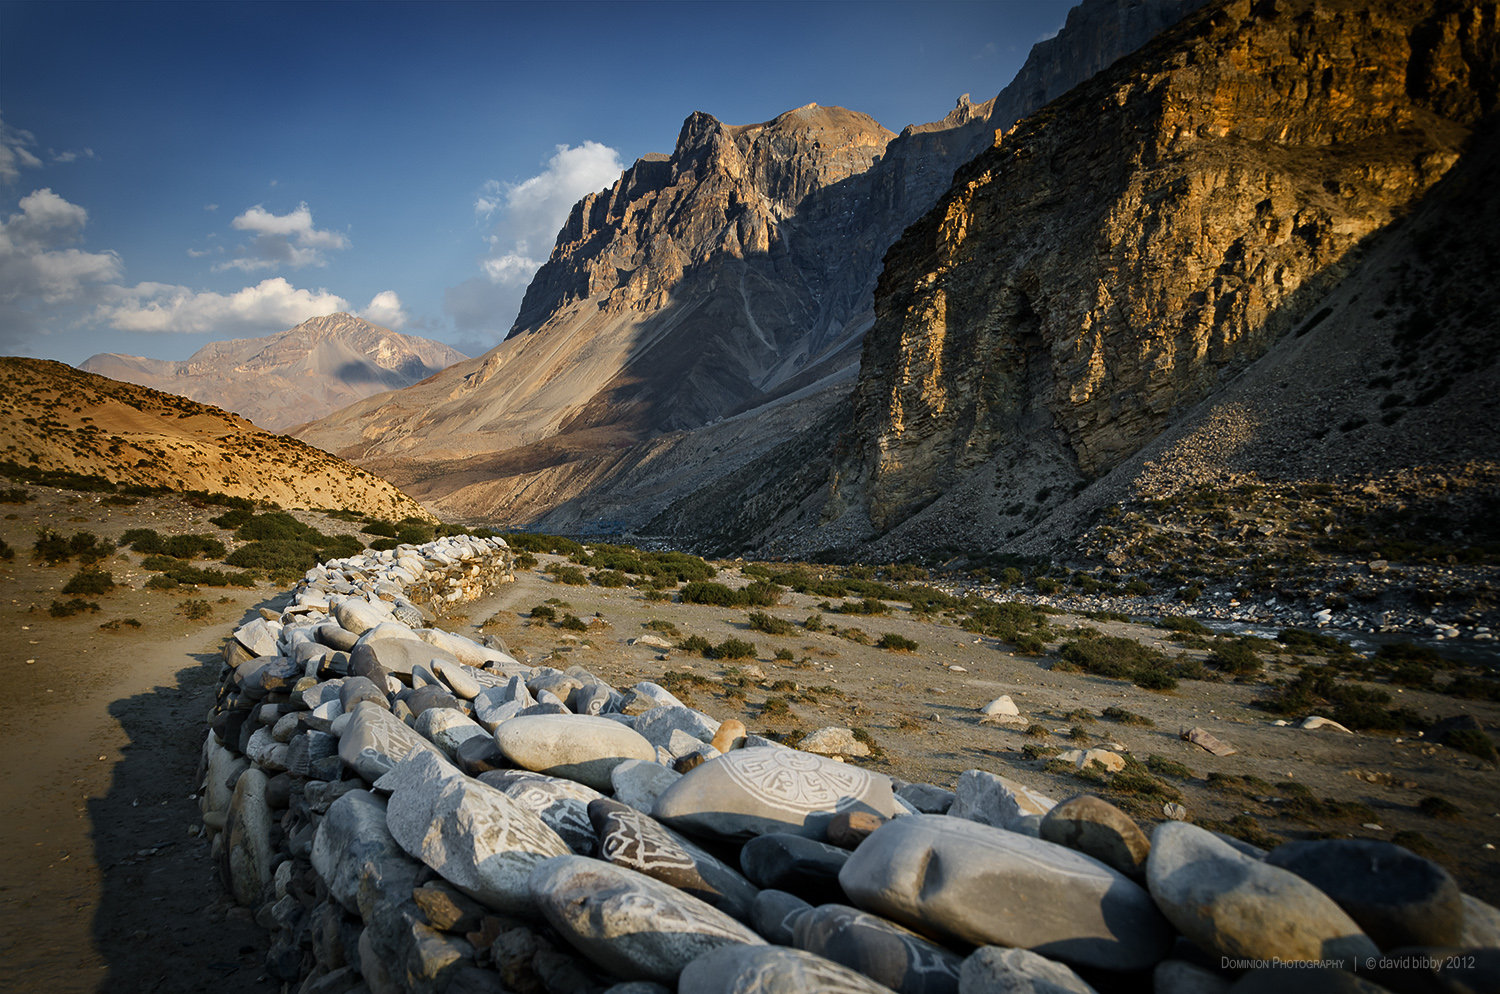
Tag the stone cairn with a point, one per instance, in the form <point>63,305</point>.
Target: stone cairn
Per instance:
<point>410,811</point>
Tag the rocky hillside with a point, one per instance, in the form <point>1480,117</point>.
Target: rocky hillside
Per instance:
<point>309,371</point>
<point>735,275</point>
<point>1131,250</point>
<point>54,417</point>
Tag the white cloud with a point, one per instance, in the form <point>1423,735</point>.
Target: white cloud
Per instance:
<point>282,240</point>
<point>14,153</point>
<point>527,217</point>
<point>35,268</point>
<point>531,212</point>
<point>385,309</point>
<point>271,305</point>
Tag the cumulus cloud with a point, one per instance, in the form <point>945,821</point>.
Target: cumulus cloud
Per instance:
<point>385,309</point>
<point>272,304</point>
<point>36,270</point>
<point>282,240</point>
<point>15,152</point>
<point>526,217</point>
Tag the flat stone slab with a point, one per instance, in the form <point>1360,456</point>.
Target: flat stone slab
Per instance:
<point>478,839</point>
<point>578,747</point>
<point>1232,905</point>
<point>628,923</point>
<point>960,880</point>
<point>758,790</point>
<point>772,970</point>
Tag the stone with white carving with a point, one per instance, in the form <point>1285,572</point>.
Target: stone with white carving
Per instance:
<point>373,742</point>
<point>576,746</point>
<point>557,803</point>
<point>639,782</point>
<point>631,925</point>
<point>960,880</point>
<point>478,839</point>
<point>772,970</point>
<point>881,950</point>
<point>638,842</point>
<point>754,791</point>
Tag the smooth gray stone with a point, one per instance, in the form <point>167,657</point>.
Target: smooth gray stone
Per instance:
<point>639,782</point>
<point>357,857</point>
<point>259,636</point>
<point>754,791</point>
<point>636,841</point>
<point>658,693</point>
<point>772,970</point>
<point>658,724</point>
<point>1176,976</point>
<point>459,678</point>
<point>1232,905</point>
<point>247,832</point>
<point>478,756</point>
<point>927,798</point>
<point>575,746</point>
<point>774,915</point>
<point>336,637</point>
<point>881,950</point>
<point>448,728</point>
<point>429,697</point>
<point>359,688</point>
<point>637,987</point>
<point>492,716</point>
<point>629,924</point>
<point>797,865</point>
<point>374,741</point>
<point>1093,826</point>
<point>1397,897</point>
<point>354,614</point>
<point>1481,924</point>
<point>267,675</point>
<point>997,970</point>
<point>959,880</point>
<point>478,839</point>
<point>398,655</point>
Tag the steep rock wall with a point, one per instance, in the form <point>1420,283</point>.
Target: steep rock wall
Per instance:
<point>1105,262</point>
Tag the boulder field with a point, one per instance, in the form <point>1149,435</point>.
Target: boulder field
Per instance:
<point>407,810</point>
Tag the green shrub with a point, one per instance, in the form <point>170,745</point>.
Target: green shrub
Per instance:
<point>571,575</point>
<point>196,610</point>
<point>695,643</point>
<point>1439,807</point>
<point>1177,623</point>
<point>898,643</point>
<point>384,529</point>
<point>762,622</point>
<point>232,519</point>
<point>1045,585</point>
<point>1029,645</point>
<point>657,595</point>
<point>776,708</point>
<point>869,605</point>
<point>15,495</point>
<point>1305,643</point>
<point>1125,717</point>
<point>1138,588</point>
<point>1469,740</point>
<point>76,605</point>
<point>574,623</point>
<point>6,552</point>
<point>784,654</point>
<point>90,580</point>
<point>275,554</point>
<point>542,613</point>
<point>52,548</point>
<point>1236,658</point>
<point>1119,658</point>
<point>554,544</point>
<point>814,623</point>
<point>734,649</point>
<point>758,594</point>
<point>609,578</point>
<point>525,560</point>
<point>659,625</point>
<point>162,582</point>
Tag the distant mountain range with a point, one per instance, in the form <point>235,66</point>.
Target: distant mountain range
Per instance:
<point>302,374</point>
<point>709,306</point>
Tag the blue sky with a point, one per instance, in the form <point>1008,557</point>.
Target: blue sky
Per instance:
<point>175,174</point>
